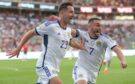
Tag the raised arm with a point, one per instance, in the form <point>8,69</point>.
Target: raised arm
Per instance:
<point>120,55</point>
<point>75,33</point>
<point>73,43</point>
<point>25,38</point>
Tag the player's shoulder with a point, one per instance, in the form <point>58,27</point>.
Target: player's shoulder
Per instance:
<point>50,22</point>
<point>69,29</point>
<point>103,35</point>
<point>82,31</point>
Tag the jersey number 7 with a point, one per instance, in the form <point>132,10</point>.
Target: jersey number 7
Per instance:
<point>91,50</point>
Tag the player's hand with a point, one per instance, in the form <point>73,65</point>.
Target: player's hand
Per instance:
<point>82,43</point>
<point>13,53</point>
<point>53,17</point>
<point>123,64</point>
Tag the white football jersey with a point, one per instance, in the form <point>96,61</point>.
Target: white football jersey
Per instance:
<point>108,54</point>
<point>92,58</point>
<point>55,43</point>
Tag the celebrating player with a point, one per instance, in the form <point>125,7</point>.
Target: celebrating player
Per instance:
<point>88,65</point>
<point>56,38</point>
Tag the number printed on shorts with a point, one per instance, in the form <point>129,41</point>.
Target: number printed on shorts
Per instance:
<point>64,44</point>
<point>91,50</point>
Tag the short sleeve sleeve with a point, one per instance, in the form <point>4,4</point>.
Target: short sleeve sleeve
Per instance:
<point>109,42</point>
<point>44,28</point>
<point>81,33</point>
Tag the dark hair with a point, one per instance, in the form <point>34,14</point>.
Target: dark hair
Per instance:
<point>93,19</point>
<point>65,5</point>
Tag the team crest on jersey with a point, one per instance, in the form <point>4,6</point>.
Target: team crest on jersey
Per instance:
<point>98,43</point>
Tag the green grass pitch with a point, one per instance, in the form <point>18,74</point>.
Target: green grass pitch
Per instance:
<point>23,72</point>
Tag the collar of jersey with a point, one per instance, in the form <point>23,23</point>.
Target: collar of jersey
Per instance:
<point>60,25</point>
<point>92,37</point>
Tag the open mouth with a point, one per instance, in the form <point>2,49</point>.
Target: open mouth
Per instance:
<point>71,17</point>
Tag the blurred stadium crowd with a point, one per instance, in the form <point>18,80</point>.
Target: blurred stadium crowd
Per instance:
<point>89,2</point>
<point>13,25</point>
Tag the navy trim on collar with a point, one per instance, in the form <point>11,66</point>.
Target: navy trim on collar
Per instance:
<point>61,25</point>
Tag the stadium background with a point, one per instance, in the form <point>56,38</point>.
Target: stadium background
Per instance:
<point>19,16</point>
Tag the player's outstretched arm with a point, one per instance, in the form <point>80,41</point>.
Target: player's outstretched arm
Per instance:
<point>25,38</point>
<point>74,44</point>
<point>75,33</point>
<point>120,55</point>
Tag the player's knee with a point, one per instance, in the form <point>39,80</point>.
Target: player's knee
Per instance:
<point>55,80</point>
<point>58,82</point>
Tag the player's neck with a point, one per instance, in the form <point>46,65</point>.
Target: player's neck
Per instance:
<point>92,36</point>
<point>62,24</point>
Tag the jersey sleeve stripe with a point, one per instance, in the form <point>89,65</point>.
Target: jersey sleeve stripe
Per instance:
<point>113,46</point>
<point>75,71</point>
<point>45,44</point>
<point>36,31</point>
<point>47,71</point>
